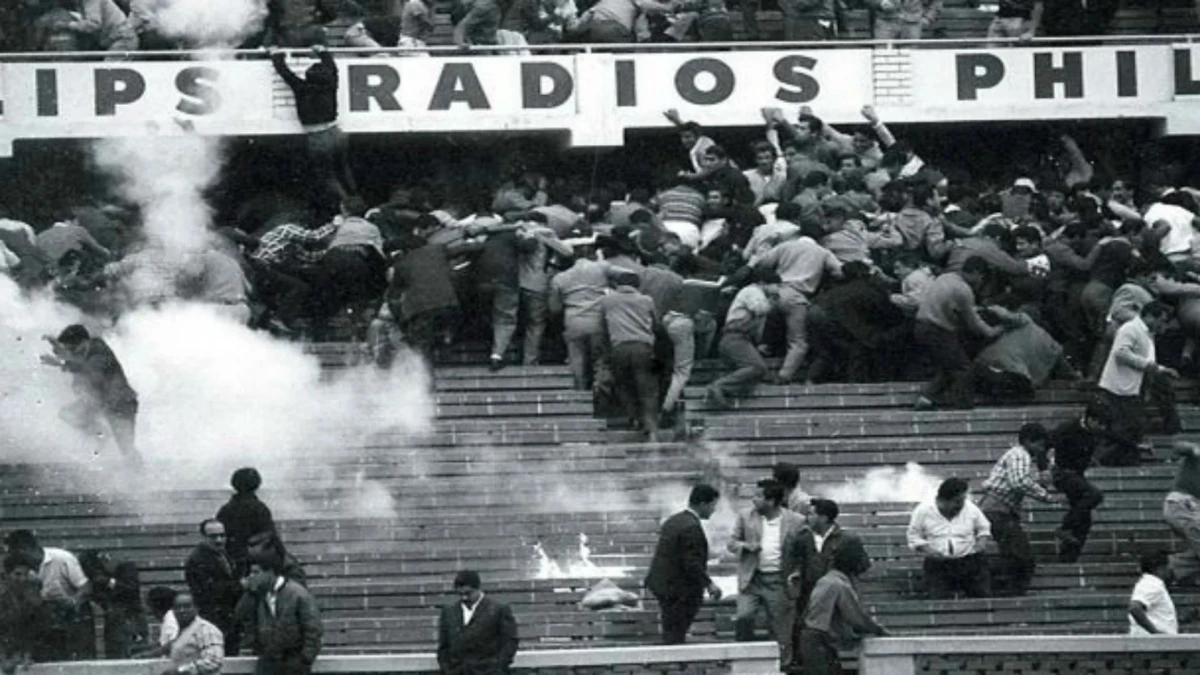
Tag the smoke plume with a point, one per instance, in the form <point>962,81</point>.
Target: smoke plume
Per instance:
<point>214,396</point>
<point>884,484</point>
<point>205,24</point>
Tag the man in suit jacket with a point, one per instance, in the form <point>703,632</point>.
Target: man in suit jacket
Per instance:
<point>766,536</point>
<point>280,620</point>
<point>817,547</point>
<point>477,635</point>
<point>214,584</point>
<point>679,570</point>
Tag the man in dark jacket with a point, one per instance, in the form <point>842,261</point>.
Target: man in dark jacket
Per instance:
<point>477,635</point>
<point>317,108</point>
<point>846,324</point>
<point>1074,446</point>
<point>422,295</point>
<point>678,573</point>
<point>280,620</point>
<point>100,382</point>
<point>244,516</point>
<point>816,548</point>
<point>213,581</point>
<point>117,588</point>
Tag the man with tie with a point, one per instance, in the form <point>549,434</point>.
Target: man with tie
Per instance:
<point>678,573</point>
<point>476,635</point>
<point>213,581</point>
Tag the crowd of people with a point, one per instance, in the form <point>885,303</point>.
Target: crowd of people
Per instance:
<point>798,570</point>
<point>245,592</point>
<point>844,253</point>
<point>127,25</point>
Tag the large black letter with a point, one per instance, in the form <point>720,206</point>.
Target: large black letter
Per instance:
<point>532,75</point>
<point>204,99</point>
<point>373,82</point>
<point>458,82</point>
<point>47,92</point>
<point>792,71</point>
<point>1185,84</point>
<point>1046,75</point>
<point>685,81</point>
<point>975,72</point>
<point>109,95</point>
<point>1127,74</point>
<point>626,84</point>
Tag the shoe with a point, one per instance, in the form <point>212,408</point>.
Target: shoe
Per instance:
<point>924,403</point>
<point>496,364</point>
<point>716,398</point>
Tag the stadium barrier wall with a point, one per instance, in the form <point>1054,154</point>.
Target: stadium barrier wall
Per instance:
<point>596,96</point>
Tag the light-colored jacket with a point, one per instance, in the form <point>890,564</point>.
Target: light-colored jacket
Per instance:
<point>747,534</point>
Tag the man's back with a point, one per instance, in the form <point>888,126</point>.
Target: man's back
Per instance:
<point>680,563</point>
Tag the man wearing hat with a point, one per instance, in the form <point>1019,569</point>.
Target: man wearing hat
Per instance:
<point>951,533</point>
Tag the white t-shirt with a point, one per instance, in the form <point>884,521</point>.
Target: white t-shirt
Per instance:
<point>170,628</point>
<point>1179,238</point>
<point>1152,592</point>
<point>772,545</point>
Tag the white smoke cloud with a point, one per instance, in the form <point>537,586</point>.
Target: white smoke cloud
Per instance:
<point>166,176</point>
<point>205,23</point>
<point>214,396</point>
<point>884,484</point>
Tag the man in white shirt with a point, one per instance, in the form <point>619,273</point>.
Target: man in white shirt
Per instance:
<point>1151,610</point>
<point>65,588</point>
<point>1172,221</point>
<point>1130,361</point>
<point>765,537</point>
<point>951,533</point>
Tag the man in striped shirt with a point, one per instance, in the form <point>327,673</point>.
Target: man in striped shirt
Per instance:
<point>1013,478</point>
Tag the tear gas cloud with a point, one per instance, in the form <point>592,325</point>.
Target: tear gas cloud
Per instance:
<point>214,396</point>
<point>205,23</point>
<point>884,484</point>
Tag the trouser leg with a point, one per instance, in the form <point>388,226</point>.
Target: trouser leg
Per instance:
<point>1016,555</point>
<point>1182,513</point>
<point>677,615</point>
<point>1082,498</point>
<point>795,306</point>
<point>534,309</point>
<point>749,366</point>
<point>681,330</point>
<point>505,302</point>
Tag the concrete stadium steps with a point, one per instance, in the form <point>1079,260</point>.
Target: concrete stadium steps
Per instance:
<point>510,450</point>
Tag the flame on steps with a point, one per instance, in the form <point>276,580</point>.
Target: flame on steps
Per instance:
<point>578,567</point>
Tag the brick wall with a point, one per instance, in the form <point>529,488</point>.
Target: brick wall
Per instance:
<point>1059,664</point>
<point>892,76</point>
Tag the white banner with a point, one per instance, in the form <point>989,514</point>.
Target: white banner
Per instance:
<point>1023,77</point>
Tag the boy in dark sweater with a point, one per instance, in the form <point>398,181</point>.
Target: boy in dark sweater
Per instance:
<point>317,108</point>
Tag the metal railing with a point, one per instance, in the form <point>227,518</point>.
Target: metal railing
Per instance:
<point>638,48</point>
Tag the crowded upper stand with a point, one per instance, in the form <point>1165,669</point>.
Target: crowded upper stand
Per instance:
<point>846,254</point>
<point>128,25</point>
